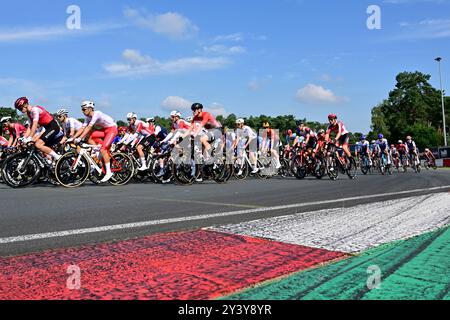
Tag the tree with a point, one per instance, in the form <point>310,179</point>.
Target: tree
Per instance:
<point>412,106</point>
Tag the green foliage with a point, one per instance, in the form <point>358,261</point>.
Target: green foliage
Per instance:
<point>412,108</point>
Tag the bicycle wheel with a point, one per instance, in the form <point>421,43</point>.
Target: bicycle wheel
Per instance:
<point>70,172</point>
<point>240,166</point>
<point>122,168</point>
<point>17,175</point>
<point>352,169</point>
<point>183,173</point>
<point>321,169</point>
<point>332,168</point>
<point>159,175</point>
<point>298,168</point>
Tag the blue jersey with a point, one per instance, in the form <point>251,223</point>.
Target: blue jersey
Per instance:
<point>383,144</point>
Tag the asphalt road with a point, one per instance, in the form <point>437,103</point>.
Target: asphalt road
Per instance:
<point>93,214</point>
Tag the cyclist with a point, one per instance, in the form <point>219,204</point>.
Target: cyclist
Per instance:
<point>430,157</point>
<point>395,154</point>
<point>204,125</point>
<point>141,131</point>
<point>14,130</point>
<point>100,128</point>
<point>364,149</point>
<point>342,135</point>
<point>245,136</point>
<point>384,147</point>
<point>179,126</point>
<point>70,125</point>
<point>270,140</point>
<point>308,134</point>
<point>3,142</point>
<point>40,117</point>
<point>412,149</point>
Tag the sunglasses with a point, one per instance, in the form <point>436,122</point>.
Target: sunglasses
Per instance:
<point>84,109</point>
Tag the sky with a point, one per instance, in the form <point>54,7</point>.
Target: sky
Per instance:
<point>274,57</point>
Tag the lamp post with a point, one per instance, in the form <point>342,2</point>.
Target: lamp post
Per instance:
<point>439,59</point>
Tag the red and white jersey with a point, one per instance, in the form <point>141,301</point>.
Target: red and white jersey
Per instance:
<point>338,128</point>
<point>39,114</point>
<point>3,142</point>
<point>18,131</point>
<point>207,121</point>
<point>141,128</point>
<point>99,119</point>
<point>181,125</point>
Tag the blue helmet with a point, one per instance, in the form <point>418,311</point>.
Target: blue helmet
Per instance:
<point>363,137</point>
<point>380,136</point>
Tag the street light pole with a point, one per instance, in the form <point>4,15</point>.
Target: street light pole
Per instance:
<point>439,59</point>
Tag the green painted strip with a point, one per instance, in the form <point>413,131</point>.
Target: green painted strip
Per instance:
<point>418,268</point>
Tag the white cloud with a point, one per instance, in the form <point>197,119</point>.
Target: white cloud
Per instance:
<point>315,94</point>
<point>135,64</point>
<point>170,24</point>
<point>53,32</point>
<point>425,29</point>
<point>176,103</point>
<point>224,50</point>
<point>217,109</point>
<point>235,37</point>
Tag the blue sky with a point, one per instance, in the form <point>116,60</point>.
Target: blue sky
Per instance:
<point>301,57</point>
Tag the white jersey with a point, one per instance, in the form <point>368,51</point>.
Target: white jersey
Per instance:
<point>99,119</point>
<point>71,123</point>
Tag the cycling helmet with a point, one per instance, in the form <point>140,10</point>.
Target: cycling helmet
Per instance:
<point>240,121</point>
<point>131,115</point>
<point>26,123</point>
<point>151,120</point>
<point>289,132</point>
<point>197,106</point>
<point>373,142</point>
<point>20,102</point>
<point>363,137</point>
<point>321,132</point>
<point>300,122</point>
<point>122,129</point>
<point>332,116</point>
<point>62,112</point>
<point>5,119</point>
<point>427,150</point>
<point>189,119</point>
<point>266,125</point>
<point>88,104</point>
<point>400,142</point>
<point>380,136</point>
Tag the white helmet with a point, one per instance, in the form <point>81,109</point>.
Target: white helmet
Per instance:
<point>5,119</point>
<point>400,142</point>
<point>373,142</point>
<point>88,104</point>
<point>62,112</point>
<point>240,121</point>
<point>189,119</point>
<point>26,123</point>
<point>151,119</point>
<point>132,115</point>
<point>175,114</point>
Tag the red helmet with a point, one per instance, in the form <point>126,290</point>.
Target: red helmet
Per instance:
<point>122,129</point>
<point>289,132</point>
<point>20,102</point>
<point>332,116</point>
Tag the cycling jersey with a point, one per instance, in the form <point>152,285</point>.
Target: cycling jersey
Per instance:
<point>140,127</point>
<point>17,131</point>
<point>71,123</point>
<point>411,146</point>
<point>394,151</point>
<point>305,132</point>
<point>3,142</point>
<point>246,133</point>
<point>383,144</point>
<point>401,148</point>
<point>180,125</point>
<point>375,148</point>
<point>364,147</point>
<point>207,121</point>
<point>100,120</point>
<point>39,114</point>
<point>338,128</point>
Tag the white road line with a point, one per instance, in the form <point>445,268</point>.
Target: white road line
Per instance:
<point>61,234</point>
